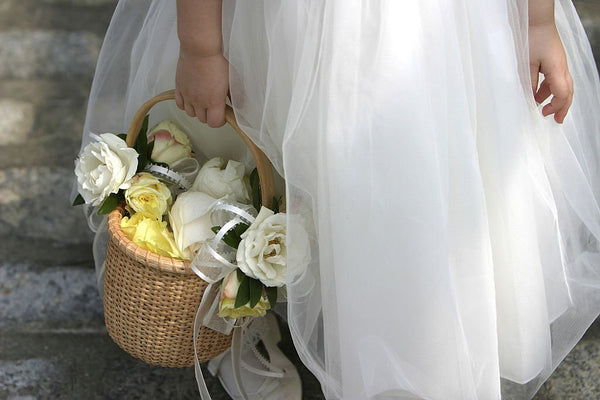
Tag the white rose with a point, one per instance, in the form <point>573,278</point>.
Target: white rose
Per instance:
<point>262,252</point>
<point>220,180</point>
<point>190,221</point>
<point>104,167</point>
<point>171,144</point>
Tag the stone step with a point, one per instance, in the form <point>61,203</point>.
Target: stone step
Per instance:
<point>67,15</point>
<point>41,121</point>
<point>578,376</point>
<point>49,299</point>
<point>35,203</point>
<point>27,54</point>
<point>44,252</point>
<point>88,366</point>
<point>589,12</point>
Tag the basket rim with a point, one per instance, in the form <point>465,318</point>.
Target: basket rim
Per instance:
<point>146,257</point>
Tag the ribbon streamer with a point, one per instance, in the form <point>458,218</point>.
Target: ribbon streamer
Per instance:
<point>212,263</point>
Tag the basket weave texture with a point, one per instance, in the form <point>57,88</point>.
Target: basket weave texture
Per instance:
<point>150,302</point>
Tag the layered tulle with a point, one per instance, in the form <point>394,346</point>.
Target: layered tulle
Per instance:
<point>454,230</point>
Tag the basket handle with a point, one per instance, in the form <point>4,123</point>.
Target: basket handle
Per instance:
<point>263,165</point>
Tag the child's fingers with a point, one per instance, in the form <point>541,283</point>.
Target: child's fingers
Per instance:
<point>543,92</point>
<point>179,100</point>
<point>201,115</point>
<point>562,91</point>
<point>189,109</point>
<point>559,106</point>
<point>215,116</point>
<point>562,113</point>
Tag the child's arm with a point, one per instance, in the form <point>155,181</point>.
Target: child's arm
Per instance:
<point>547,55</point>
<point>202,77</point>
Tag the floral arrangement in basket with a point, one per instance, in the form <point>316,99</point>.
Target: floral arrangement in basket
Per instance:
<point>171,204</point>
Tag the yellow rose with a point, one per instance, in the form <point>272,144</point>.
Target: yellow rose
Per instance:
<point>148,195</point>
<point>229,289</point>
<point>151,234</point>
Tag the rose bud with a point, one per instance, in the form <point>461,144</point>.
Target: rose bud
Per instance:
<point>171,144</point>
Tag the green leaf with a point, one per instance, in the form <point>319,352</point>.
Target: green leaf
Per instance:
<point>142,162</point>
<point>255,186</point>
<point>240,274</point>
<point>110,203</point>
<point>149,151</point>
<point>271,295</point>
<point>256,290</point>
<point>144,128</point>
<point>215,229</point>
<point>233,237</point>
<point>275,205</point>
<point>78,200</point>
<point>141,146</point>
<point>243,294</point>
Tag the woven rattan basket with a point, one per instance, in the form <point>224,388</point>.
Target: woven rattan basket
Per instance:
<point>149,300</point>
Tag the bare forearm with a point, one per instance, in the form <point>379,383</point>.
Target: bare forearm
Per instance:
<point>541,12</point>
<point>199,26</point>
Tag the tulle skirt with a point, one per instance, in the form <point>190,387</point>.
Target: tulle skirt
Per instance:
<point>454,231</point>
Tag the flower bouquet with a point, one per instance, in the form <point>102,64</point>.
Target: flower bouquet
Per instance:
<point>172,222</point>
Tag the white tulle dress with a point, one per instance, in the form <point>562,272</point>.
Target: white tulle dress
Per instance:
<point>454,231</point>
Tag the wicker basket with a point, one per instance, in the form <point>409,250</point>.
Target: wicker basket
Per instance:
<point>150,301</point>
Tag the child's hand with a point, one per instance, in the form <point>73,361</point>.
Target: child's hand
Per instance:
<point>547,55</point>
<point>201,85</point>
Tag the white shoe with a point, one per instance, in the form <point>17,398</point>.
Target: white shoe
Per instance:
<point>264,377</point>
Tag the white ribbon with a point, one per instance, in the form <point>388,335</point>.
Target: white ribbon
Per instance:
<point>180,174</point>
<point>216,259</point>
<point>212,263</point>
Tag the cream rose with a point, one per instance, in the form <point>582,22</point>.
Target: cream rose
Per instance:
<point>190,221</point>
<point>262,252</point>
<point>148,194</point>
<point>219,179</point>
<point>104,167</point>
<point>171,144</point>
<point>229,290</point>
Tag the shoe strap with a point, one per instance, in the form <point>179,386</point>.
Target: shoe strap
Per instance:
<point>262,372</point>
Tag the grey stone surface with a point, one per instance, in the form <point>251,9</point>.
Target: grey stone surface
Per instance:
<point>59,110</point>
<point>35,54</point>
<point>16,121</point>
<point>63,15</point>
<point>49,298</point>
<point>81,2</point>
<point>577,377</point>
<point>91,366</point>
<point>589,11</point>
<point>34,202</point>
<point>42,252</point>
<point>20,377</point>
